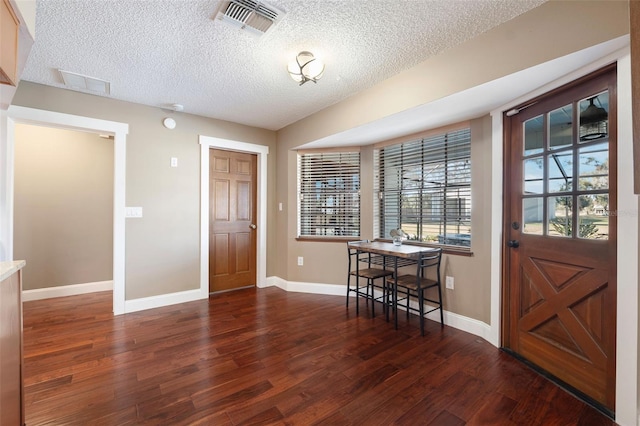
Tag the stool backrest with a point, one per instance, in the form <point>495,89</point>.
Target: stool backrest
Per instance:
<point>429,260</point>
<point>353,253</point>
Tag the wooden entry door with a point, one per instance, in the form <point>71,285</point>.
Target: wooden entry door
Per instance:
<point>232,212</point>
<point>560,229</point>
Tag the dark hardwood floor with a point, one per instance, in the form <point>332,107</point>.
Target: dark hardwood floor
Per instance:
<point>270,357</point>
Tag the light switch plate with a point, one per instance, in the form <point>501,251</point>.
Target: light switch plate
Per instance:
<point>133,212</point>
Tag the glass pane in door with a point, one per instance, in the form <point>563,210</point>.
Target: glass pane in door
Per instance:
<point>560,216</point>
<point>534,175</point>
<point>533,136</point>
<point>593,220</point>
<point>532,212</point>
<point>560,172</point>
<point>593,167</point>
<point>561,127</point>
<point>594,117</point>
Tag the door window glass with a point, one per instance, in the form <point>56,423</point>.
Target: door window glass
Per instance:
<point>533,136</point>
<point>533,176</point>
<point>560,217</point>
<point>532,209</point>
<point>560,172</point>
<point>593,167</point>
<point>593,220</point>
<point>561,127</point>
<point>594,117</point>
<point>566,167</point>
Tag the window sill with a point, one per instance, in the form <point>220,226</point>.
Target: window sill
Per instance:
<point>453,250</point>
<point>327,239</point>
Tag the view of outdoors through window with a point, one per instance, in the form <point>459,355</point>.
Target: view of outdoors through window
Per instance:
<point>566,176</point>
<point>329,194</point>
<point>424,188</point>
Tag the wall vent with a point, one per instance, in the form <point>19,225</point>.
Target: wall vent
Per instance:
<point>254,16</point>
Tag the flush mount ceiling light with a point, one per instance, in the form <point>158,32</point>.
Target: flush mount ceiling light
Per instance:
<point>305,68</point>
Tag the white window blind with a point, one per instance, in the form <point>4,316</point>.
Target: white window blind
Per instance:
<point>424,188</point>
<point>329,194</point>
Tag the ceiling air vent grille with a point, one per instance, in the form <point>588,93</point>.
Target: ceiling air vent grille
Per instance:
<point>76,81</point>
<point>256,17</point>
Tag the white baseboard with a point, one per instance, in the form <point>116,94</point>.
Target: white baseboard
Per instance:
<point>315,288</point>
<point>66,290</point>
<point>460,322</point>
<point>470,325</point>
<point>161,300</point>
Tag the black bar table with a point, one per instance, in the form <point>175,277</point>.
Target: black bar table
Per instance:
<point>392,255</point>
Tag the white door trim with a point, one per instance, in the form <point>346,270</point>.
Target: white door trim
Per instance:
<point>19,114</point>
<point>206,143</point>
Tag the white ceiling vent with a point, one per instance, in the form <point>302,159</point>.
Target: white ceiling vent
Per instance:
<point>253,16</point>
<point>84,82</point>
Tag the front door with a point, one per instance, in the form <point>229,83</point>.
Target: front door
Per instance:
<point>560,235</point>
<point>232,229</point>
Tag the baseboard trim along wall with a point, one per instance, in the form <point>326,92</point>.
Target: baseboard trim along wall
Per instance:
<point>162,300</point>
<point>460,322</point>
<point>66,290</point>
<point>300,287</point>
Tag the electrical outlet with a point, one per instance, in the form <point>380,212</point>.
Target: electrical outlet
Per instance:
<point>449,282</point>
<point>300,260</point>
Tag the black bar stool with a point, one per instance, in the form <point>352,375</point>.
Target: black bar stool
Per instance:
<point>368,272</point>
<point>416,285</point>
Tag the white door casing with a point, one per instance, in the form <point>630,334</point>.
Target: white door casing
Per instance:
<point>119,131</point>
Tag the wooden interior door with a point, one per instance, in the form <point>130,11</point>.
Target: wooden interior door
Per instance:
<point>232,229</point>
<point>560,229</point>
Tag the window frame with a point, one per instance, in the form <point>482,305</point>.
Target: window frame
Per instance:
<point>457,139</point>
<point>348,210</point>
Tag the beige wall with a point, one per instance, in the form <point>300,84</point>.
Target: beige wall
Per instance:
<point>326,262</point>
<point>63,206</point>
<point>550,31</point>
<point>162,247</point>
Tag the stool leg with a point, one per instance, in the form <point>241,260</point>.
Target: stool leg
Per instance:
<point>407,304</point>
<point>348,287</point>
<point>421,307</point>
<point>386,300</point>
<point>357,295</point>
<point>373,300</point>
<point>441,310</point>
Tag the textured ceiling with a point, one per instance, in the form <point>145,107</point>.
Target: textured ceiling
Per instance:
<point>161,52</point>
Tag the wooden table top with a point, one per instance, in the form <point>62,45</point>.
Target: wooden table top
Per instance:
<point>390,249</point>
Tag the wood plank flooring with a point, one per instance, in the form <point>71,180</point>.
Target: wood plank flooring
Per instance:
<point>265,356</point>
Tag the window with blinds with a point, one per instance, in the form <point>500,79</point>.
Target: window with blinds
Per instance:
<point>329,194</point>
<point>424,188</point>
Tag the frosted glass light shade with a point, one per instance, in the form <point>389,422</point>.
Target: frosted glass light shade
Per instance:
<point>305,68</point>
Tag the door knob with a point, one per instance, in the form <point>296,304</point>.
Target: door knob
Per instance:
<point>253,226</point>
<point>513,243</point>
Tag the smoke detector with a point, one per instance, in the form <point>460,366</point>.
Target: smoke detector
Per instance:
<point>253,16</point>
